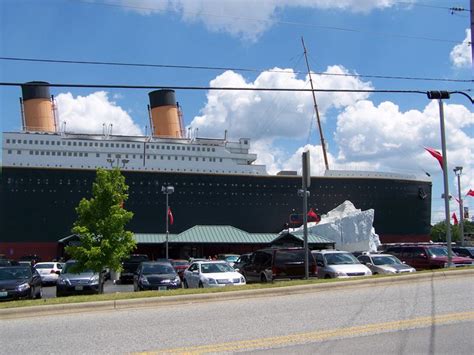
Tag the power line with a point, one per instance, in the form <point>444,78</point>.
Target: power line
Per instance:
<point>216,88</point>
<point>292,23</point>
<point>237,69</point>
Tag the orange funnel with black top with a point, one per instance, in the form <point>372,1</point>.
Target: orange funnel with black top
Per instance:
<point>164,114</point>
<point>37,107</point>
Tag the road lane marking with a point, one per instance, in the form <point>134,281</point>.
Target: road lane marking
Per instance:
<point>321,335</point>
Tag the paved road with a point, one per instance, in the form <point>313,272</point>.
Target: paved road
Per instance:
<point>109,287</point>
<point>427,317</point>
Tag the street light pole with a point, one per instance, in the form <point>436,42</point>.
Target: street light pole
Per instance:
<point>458,172</point>
<point>440,95</point>
<point>167,190</point>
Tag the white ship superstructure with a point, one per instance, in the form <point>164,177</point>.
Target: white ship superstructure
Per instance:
<point>137,153</point>
<point>40,145</point>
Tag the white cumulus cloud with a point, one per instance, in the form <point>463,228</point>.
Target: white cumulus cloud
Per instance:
<point>367,133</point>
<point>246,19</point>
<point>273,114</point>
<point>87,114</point>
<point>461,53</point>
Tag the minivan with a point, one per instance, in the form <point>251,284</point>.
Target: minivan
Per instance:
<point>266,265</point>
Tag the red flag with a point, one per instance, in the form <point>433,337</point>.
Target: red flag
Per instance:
<point>470,193</point>
<point>313,216</point>
<point>170,216</point>
<point>455,218</point>
<point>435,154</point>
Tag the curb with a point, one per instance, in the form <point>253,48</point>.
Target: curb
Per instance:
<point>111,305</point>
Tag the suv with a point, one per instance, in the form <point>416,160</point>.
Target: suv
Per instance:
<point>339,264</point>
<point>130,266</point>
<point>467,252</point>
<point>277,263</point>
<point>423,257</point>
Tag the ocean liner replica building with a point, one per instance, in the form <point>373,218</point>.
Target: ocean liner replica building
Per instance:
<point>47,170</point>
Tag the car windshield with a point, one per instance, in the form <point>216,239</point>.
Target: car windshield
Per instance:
<point>44,266</point>
<point>14,273</point>
<point>385,260</point>
<point>439,251</point>
<point>211,268</point>
<point>340,259</point>
<point>157,269</point>
<point>71,268</point>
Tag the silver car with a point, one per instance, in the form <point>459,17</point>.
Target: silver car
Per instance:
<point>384,264</point>
<point>338,264</point>
<point>72,282</point>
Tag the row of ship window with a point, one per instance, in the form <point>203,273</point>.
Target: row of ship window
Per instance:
<point>132,156</point>
<point>112,145</point>
<point>86,182</point>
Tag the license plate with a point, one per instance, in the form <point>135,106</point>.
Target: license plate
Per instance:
<point>162,288</point>
<point>3,294</point>
<point>79,288</point>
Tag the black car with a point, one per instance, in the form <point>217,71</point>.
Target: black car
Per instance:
<point>152,275</point>
<point>467,252</point>
<point>18,282</point>
<point>241,261</point>
<point>269,264</point>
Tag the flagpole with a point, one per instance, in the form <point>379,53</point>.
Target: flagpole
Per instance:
<point>167,190</point>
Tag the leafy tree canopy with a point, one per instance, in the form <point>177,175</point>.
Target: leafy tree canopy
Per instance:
<point>101,221</point>
<point>438,231</point>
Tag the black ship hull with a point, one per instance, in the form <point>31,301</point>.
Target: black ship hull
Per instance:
<point>38,205</point>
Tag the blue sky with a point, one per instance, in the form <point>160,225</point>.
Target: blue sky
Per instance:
<point>416,39</point>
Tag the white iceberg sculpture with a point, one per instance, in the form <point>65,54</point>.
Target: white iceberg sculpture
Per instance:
<point>350,228</point>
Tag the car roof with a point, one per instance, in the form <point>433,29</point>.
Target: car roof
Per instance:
<point>330,251</point>
<point>209,262</point>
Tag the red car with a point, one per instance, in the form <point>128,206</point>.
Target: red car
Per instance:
<point>423,257</point>
<point>179,266</point>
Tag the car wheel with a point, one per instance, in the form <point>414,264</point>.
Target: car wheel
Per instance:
<point>263,279</point>
<point>327,276</point>
<point>185,283</point>
<point>32,294</point>
<point>200,285</point>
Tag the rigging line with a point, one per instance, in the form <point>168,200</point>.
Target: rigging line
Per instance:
<point>283,71</point>
<point>387,34</point>
<point>429,6</point>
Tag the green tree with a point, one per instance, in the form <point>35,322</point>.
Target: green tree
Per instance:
<point>438,231</point>
<point>100,225</point>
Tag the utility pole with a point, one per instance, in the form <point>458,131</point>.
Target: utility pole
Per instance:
<point>458,173</point>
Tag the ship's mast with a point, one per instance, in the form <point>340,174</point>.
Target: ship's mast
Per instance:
<point>323,143</point>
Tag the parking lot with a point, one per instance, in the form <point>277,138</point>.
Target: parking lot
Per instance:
<point>109,287</point>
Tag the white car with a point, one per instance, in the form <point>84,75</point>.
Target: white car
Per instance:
<point>338,264</point>
<point>49,272</point>
<point>211,274</point>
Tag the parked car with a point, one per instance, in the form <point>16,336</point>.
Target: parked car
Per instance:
<point>266,265</point>
<point>229,258</point>
<point>211,274</point>
<point>152,275</point>
<point>423,257</point>
<point>49,272</point>
<point>179,266</point>
<point>32,259</point>
<point>384,264</point>
<point>18,282</point>
<point>338,264</point>
<point>241,261</point>
<point>73,282</point>
<point>467,252</point>
<point>130,265</point>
